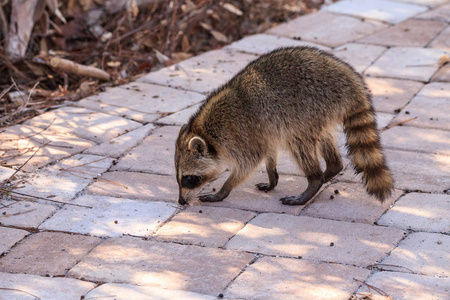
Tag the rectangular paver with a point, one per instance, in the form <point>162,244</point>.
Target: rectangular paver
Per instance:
<point>179,118</point>
<point>419,171</point>
<point>317,239</point>
<point>391,95</point>
<point>95,103</point>
<point>84,123</point>
<point>412,63</point>
<point>406,286</point>
<point>20,142</point>
<point>263,43</point>
<point>429,112</point>
<point>128,291</point>
<point>47,253</point>
<point>9,237</point>
<point>284,278</point>
<point>119,145</point>
<point>110,216</point>
<point>24,214</point>
<point>348,202</point>
<point>154,155</point>
<point>136,186</point>
<point>359,56</point>
<point>381,10</point>
<point>421,252</point>
<point>204,226</point>
<point>327,29</point>
<point>202,73</point>
<point>410,33</point>
<point>63,180</point>
<point>165,265</point>
<point>248,197</point>
<point>23,286</point>
<point>441,13</point>
<point>418,211</point>
<point>442,40</point>
<point>417,139</point>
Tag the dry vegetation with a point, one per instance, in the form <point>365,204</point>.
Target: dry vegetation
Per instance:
<point>75,48</point>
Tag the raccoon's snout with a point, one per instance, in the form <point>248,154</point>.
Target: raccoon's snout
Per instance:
<point>181,201</point>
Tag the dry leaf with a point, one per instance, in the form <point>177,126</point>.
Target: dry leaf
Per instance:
<point>232,9</point>
<point>444,59</point>
<point>219,36</point>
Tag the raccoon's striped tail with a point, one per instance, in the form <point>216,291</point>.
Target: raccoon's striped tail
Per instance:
<point>364,147</point>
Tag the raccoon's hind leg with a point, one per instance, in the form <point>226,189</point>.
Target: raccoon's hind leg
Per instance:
<point>305,154</point>
<point>271,167</point>
<point>331,155</point>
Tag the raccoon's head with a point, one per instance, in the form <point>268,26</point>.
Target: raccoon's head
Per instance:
<point>196,164</point>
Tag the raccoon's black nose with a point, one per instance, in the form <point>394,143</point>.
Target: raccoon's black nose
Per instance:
<point>182,201</point>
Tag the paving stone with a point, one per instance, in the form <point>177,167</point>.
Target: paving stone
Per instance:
<point>442,40</point>
<point>443,74</point>
<point>435,90</point>
<point>135,292</point>
<point>351,203</point>
<point>22,286</point>
<point>429,3</point>
<point>179,118</point>
<point>407,63</point>
<point>248,197</point>
<point>417,139</point>
<point>422,212</point>
<point>5,173</point>
<point>119,145</point>
<point>204,226</point>
<point>441,13</point>
<point>43,253</point>
<point>24,214</point>
<point>84,123</point>
<point>359,56</point>
<point>419,171</point>
<point>381,10</point>
<point>202,73</point>
<point>391,95</point>
<point>154,155</point>
<point>409,33</point>
<point>263,43</point>
<point>383,120</point>
<point>136,186</point>
<point>150,98</point>
<point>9,237</point>
<point>24,141</point>
<point>316,239</point>
<point>95,103</point>
<point>164,265</point>
<point>327,29</point>
<point>405,286</point>
<point>63,180</point>
<point>429,113</point>
<point>284,278</point>
<point>110,216</point>
<point>420,252</point>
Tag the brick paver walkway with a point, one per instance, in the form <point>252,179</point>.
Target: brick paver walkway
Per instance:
<point>121,234</point>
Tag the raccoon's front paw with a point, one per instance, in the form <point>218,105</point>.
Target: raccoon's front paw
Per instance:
<point>264,187</point>
<point>293,200</point>
<point>209,198</point>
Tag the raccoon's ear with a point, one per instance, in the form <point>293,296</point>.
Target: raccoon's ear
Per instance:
<point>198,144</point>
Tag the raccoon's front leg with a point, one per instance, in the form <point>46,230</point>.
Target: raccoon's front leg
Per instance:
<point>271,167</point>
<point>236,177</point>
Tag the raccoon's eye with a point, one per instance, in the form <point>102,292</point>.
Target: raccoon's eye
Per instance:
<point>190,181</point>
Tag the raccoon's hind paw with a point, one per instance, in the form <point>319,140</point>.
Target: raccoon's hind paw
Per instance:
<point>265,187</point>
<point>295,200</point>
<point>209,198</point>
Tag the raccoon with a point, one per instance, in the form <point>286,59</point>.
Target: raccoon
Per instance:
<point>289,99</point>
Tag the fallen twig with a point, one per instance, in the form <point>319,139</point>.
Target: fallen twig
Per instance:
<point>398,123</point>
<point>378,290</point>
<point>41,198</point>
<point>69,66</point>
<point>22,291</point>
